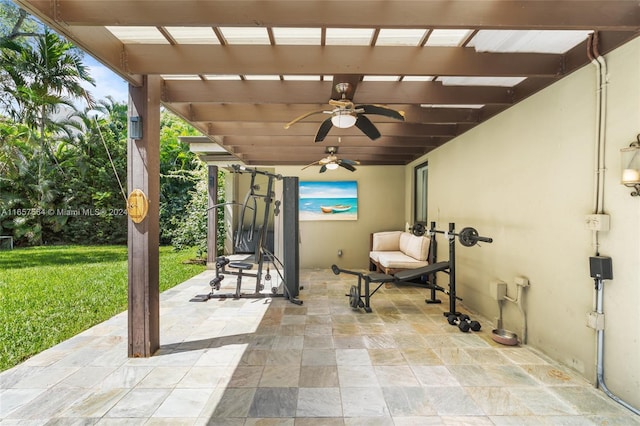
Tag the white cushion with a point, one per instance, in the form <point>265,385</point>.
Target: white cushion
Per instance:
<point>398,260</point>
<point>386,241</point>
<point>374,255</point>
<point>414,246</point>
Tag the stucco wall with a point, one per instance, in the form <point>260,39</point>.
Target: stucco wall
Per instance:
<point>380,208</point>
<point>526,179</point>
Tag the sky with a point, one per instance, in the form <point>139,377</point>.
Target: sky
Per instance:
<point>108,83</point>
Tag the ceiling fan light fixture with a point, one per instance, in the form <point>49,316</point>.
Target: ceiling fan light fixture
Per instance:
<point>332,166</point>
<point>343,119</point>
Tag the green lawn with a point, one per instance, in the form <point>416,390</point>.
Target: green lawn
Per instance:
<point>48,294</point>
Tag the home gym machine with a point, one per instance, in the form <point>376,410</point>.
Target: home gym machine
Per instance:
<point>468,237</point>
<point>263,255</point>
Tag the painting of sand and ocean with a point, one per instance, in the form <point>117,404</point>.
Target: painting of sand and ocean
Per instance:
<point>328,200</point>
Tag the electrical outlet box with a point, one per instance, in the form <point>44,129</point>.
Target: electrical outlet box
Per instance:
<point>597,222</point>
<point>497,290</point>
<point>521,281</point>
<point>595,321</point>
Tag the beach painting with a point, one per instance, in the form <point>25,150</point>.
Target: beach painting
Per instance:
<point>328,200</point>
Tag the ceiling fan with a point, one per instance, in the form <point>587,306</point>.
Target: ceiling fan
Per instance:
<point>332,162</point>
<point>346,114</point>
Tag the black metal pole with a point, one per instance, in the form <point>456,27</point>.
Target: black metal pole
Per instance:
<point>452,271</point>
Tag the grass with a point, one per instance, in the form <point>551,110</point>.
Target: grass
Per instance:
<point>49,294</point>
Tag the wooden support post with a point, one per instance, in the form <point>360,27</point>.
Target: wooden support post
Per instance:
<point>143,173</point>
<point>212,217</point>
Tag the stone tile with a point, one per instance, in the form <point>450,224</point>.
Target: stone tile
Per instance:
<point>386,357</point>
<point>274,402</point>
<point>246,376</point>
<point>235,402</point>
<point>421,356</point>
<point>319,402</point>
<point>12,399</point>
<point>95,404</point>
<point>163,377</point>
<point>437,375</point>
<point>453,401</point>
<point>393,375</point>
<point>280,376</point>
<point>408,401</point>
<point>318,376</point>
<point>284,357</point>
<point>353,357</point>
<point>183,403</point>
<point>363,402</point>
<point>358,376</point>
<point>319,357</point>
<point>141,403</point>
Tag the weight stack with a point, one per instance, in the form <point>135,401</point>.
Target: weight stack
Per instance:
<point>291,235</point>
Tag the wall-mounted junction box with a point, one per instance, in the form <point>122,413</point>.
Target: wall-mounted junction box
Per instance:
<point>595,321</point>
<point>497,290</point>
<point>597,222</point>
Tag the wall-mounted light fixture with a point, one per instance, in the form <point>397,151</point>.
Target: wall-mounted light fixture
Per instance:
<point>135,127</point>
<point>631,166</point>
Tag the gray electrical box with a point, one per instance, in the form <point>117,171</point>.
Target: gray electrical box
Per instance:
<point>601,267</point>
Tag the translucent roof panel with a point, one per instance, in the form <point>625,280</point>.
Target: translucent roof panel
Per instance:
<point>481,81</point>
<point>302,77</point>
<point>417,78</point>
<point>381,78</point>
<point>548,41</point>
<point>297,35</point>
<point>138,35</point>
<point>245,35</point>
<point>222,77</point>
<point>262,77</point>
<point>399,37</point>
<point>448,37</point>
<point>349,36</point>
<point>193,35</point>
<point>180,77</point>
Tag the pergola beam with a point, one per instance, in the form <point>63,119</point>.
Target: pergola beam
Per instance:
<point>329,60</point>
<point>480,14</point>
<point>318,92</point>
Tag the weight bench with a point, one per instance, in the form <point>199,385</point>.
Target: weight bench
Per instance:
<point>355,292</point>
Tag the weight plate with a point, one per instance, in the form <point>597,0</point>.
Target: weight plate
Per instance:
<point>354,297</point>
<point>468,237</point>
<point>418,229</point>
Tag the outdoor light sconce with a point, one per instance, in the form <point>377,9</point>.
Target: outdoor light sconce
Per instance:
<point>135,127</point>
<point>631,166</point>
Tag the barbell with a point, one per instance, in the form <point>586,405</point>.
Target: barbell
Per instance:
<point>468,237</point>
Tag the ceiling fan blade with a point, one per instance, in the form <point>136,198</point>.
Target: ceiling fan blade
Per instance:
<point>367,127</point>
<point>382,110</point>
<point>350,162</point>
<point>312,164</point>
<point>324,130</point>
<point>302,117</point>
<point>346,166</point>
<point>323,169</point>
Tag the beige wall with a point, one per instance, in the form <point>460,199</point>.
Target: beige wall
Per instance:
<point>380,208</point>
<point>525,178</point>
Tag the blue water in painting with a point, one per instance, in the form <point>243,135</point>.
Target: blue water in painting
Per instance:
<point>312,205</point>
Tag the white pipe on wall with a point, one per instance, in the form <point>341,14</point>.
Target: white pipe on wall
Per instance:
<point>601,115</point>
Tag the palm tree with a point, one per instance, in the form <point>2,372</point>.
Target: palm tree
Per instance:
<point>40,81</point>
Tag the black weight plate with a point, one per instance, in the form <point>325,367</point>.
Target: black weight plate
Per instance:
<point>354,297</point>
<point>468,237</point>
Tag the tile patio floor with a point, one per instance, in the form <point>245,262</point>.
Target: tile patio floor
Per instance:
<point>270,362</point>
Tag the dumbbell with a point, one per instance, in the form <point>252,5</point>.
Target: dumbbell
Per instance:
<point>464,323</point>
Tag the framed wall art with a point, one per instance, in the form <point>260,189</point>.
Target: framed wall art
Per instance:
<point>337,200</point>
